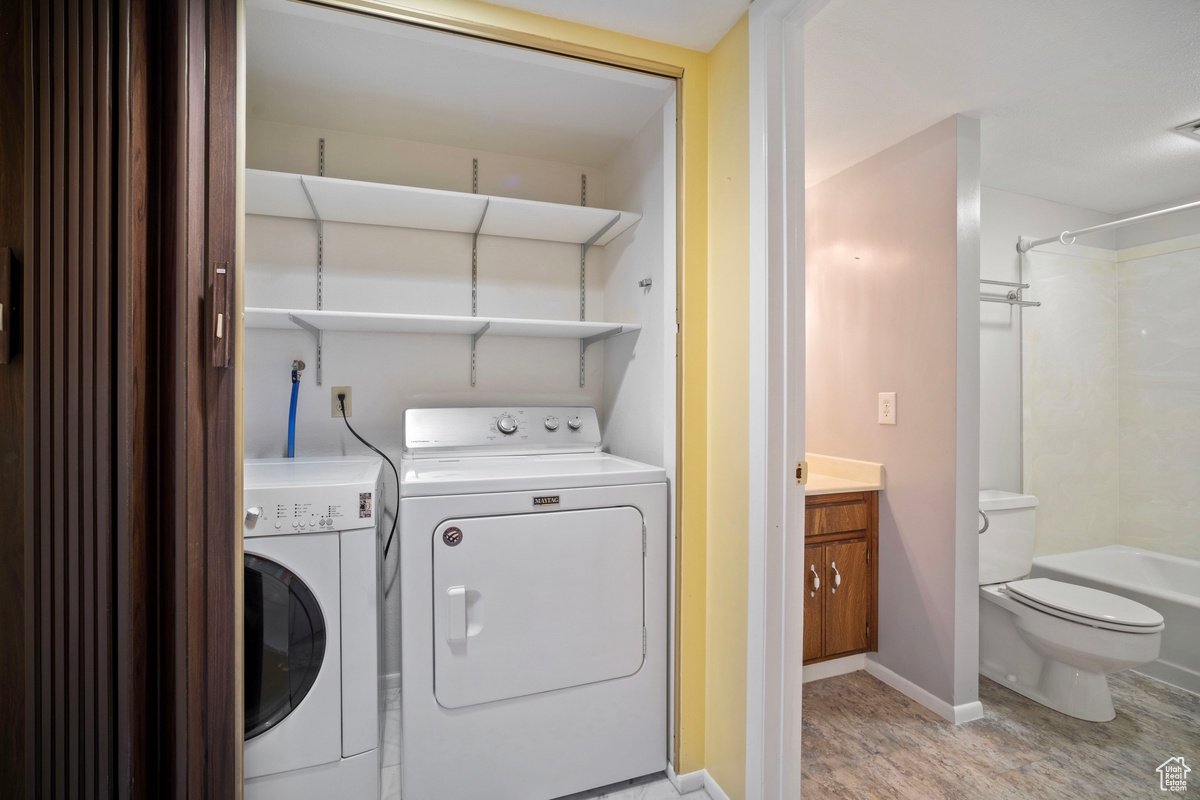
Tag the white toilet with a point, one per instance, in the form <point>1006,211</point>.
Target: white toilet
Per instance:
<point>1053,642</point>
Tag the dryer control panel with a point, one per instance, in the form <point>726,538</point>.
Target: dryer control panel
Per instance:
<point>507,430</point>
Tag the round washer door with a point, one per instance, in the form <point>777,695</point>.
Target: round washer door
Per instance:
<point>285,634</point>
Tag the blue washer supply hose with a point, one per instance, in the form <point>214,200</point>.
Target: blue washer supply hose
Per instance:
<point>297,368</point>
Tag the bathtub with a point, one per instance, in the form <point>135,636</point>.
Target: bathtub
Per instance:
<point>1168,584</point>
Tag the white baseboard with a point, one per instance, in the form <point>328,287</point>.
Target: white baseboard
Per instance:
<point>713,789</point>
<point>833,668</point>
<point>693,781</point>
<point>688,782</point>
<point>958,714</point>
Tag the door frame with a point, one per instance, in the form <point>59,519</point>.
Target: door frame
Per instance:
<point>775,617</point>
<point>693,310</point>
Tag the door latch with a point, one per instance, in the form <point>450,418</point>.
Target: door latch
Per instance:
<point>220,295</point>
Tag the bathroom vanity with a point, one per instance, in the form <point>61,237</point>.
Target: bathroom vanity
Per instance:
<point>841,550</point>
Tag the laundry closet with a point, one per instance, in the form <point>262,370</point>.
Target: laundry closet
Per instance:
<point>436,221</point>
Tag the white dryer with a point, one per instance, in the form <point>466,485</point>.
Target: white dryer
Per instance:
<point>533,606</point>
<point>313,601</point>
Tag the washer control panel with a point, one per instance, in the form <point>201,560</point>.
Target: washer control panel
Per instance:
<point>283,496</point>
<point>437,431</point>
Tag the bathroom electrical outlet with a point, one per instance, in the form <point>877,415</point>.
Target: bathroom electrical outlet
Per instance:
<point>887,408</point>
<point>337,409</point>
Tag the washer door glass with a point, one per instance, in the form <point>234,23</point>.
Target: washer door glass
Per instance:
<point>284,641</point>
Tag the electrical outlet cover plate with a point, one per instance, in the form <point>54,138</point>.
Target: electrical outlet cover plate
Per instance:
<point>333,398</point>
<point>887,408</point>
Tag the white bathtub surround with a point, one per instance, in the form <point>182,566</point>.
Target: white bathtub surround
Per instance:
<point>829,475</point>
<point>1111,410</point>
<point>1070,400</point>
<point>1168,584</point>
<point>1159,401</point>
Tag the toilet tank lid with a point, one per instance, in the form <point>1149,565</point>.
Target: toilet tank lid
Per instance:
<point>996,500</point>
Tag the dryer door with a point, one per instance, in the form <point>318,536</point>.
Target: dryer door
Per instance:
<point>531,603</point>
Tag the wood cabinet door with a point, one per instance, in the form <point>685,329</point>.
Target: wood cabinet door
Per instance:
<point>814,601</point>
<point>848,601</point>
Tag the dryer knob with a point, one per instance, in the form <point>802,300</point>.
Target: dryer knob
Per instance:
<point>574,423</point>
<point>506,425</point>
<point>551,423</point>
<point>253,513</point>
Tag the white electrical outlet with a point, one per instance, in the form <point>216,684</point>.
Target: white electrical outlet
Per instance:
<point>887,408</point>
<point>337,409</point>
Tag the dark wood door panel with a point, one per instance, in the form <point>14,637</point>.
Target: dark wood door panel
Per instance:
<point>823,520</point>
<point>814,602</point>
<point>12,408</point>
<point>848,604</point>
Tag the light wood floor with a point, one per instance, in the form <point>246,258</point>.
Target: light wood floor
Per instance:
<point>863,739</point>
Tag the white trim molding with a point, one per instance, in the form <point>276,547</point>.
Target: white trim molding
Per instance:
<point>958,714</point>
<point>694,781</point>
<point>713,788</point>
<point>688,782</point>
<point>774,637</point>
<point>835,667</point>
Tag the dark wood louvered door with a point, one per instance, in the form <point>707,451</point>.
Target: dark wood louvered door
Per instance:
<point>12,400</point>
<point>119,551</point>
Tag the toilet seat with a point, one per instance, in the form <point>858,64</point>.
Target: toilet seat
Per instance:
<point>1085,605</point>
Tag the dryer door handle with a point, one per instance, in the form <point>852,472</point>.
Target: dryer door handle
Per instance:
<point>456,608</point>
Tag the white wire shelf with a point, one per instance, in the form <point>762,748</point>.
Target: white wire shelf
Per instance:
<point>285,194</point>
<point>367,321</point>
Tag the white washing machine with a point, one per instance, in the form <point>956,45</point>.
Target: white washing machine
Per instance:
<point>313,599</point>
<point>533,606</point>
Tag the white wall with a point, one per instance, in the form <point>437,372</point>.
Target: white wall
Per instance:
<point>375,268</point>
<point>1004,217</point>
<point>885,265</point>
<point>637,374</point>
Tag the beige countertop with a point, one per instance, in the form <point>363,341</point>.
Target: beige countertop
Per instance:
<point>832,475</point>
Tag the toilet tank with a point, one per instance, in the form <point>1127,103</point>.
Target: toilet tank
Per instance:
<point>1006,547</point>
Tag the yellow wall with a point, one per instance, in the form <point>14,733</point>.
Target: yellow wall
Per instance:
<point>728,408</point>
<point>693,284</point>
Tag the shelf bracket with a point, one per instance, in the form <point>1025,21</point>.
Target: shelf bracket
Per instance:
<point>588,341</point>
<point>317,334</point>
<point>475,337</point>
<point>583,248</point>
<point>320,235</point>
<point>475,264</point>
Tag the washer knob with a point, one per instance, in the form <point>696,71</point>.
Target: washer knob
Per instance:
<point>253,513</point>
<point>506,425</point>
<point>574,423</point>
<point>551,423</point>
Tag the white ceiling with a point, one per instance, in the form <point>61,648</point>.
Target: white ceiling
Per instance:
<point>695,24</point>
<point>327,69</point>
<point>1077,98</point>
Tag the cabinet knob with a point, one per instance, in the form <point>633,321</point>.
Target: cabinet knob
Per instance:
<point>837,577</point>
<point>816,579</point>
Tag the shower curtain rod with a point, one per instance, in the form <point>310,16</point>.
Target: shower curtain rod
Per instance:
<point>1025,245</point>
